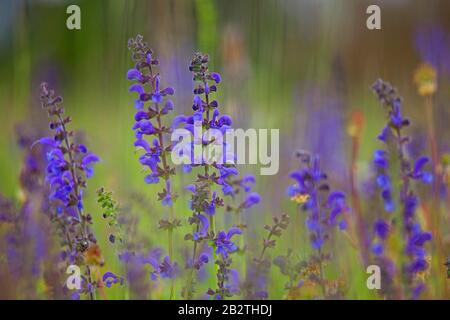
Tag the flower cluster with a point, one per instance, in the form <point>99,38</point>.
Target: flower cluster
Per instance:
<point>153,105</point>
<point>242,185</point>
<point>204,201</point>
<point>218,172</point>
<point>165,269</point>
<point>395,141</point>
<point>311,193</point>
<point>207,115</point>
<point>325,209</point>
<point>154,157</point>
<point>381,162</point>
<point>224,246</point>
<point>223,243</point>
<point>69,165</point>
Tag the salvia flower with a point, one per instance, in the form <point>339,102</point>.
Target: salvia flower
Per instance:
<point>152,135</point>
<point>224,246</point>
<point>223,243</point>
<point>215,173</point>
<point>395,141</point>
<point>204,200</point>
<point>310,185</point>
<point>152,108</point>
<point>69,165</point>
<point>381,163</point>
<point>110,278</point>
<point>165,269</point>
<point>324,210</point>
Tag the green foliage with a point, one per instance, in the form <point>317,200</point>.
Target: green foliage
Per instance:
<point>110,212</point>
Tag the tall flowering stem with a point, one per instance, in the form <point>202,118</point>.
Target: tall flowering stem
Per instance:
<point>255,286</point>
<point>199,67</point>
<point>204,202</point>
<point>152,106</point>
<point>217,172</point>
<point>224,246</point>
<point>69,166</point>
<point>414,238</point>
<point>325,209</point>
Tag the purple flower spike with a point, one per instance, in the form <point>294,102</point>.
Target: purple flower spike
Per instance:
<point>309,193</point>
<point>413,236</point>
<point>69,165</point>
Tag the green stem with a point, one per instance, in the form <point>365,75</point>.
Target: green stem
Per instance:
<point>167,180</point>
<point>191,274</point>
<point>73,172</point>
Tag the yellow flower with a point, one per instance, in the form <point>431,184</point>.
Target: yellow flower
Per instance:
<point>311,270</point>
<point>425,78</point>
<point>446,159</point>
<point>300,198</point>
<point>356,123</point>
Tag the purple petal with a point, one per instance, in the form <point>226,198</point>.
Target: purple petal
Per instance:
<point>233,231</point>
<point>90,158</point>
<point>168,91</point>
<point>151,179</point>
<point>108,275</point>
<point>215,76</point>
<point>177,120</point>
<point>205,223</point>
<point>420,163</point>
<point>136,87</point>
<point>143,144</point>
<point>134,74</point>
<point>140,115</point>
<point>46,141</point>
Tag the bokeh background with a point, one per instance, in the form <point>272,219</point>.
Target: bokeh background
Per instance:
<point>301,66</point>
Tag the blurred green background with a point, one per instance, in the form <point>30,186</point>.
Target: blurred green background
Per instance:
<point>280,60</point>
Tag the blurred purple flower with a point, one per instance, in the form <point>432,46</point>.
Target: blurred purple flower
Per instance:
<point>433,46</point>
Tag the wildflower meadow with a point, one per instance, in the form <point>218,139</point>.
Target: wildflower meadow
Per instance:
<point>224,150</point>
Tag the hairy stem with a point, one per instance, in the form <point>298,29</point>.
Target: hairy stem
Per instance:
<point>73,171</point>
<point>166,179</point>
